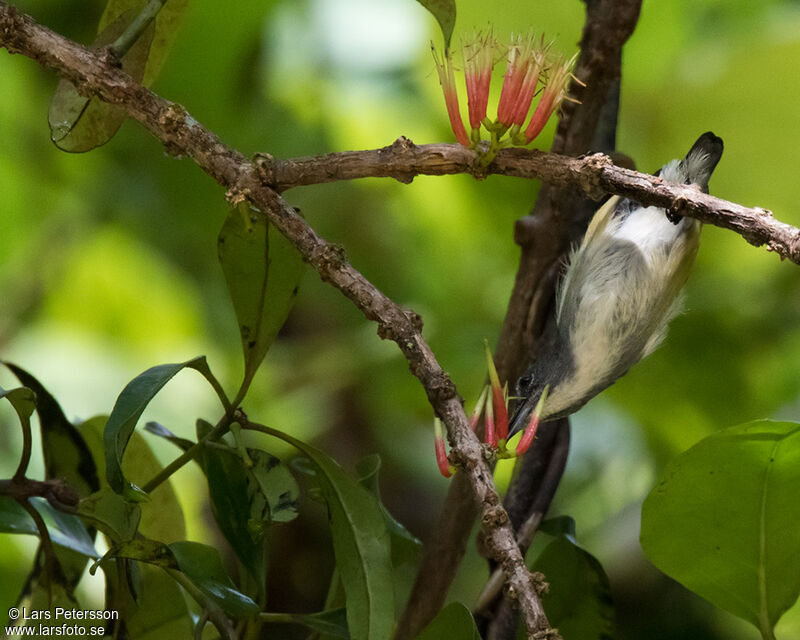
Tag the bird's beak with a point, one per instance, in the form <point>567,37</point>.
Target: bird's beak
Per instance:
<point>530,407</point>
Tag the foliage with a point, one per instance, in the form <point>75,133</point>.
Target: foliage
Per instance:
<point>106,271</point>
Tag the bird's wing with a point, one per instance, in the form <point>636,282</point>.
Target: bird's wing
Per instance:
<point>600,220</point>
<point>597,226</point>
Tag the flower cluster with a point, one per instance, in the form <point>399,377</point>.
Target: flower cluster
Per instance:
<point>530,70</point>
<point>495,421</point>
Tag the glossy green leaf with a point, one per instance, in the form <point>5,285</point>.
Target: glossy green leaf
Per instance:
<point>129,407</point>
<point>115,516</point>
<point>454,622</point>
<point>262,271</point>
<point>360,544</point>
<point>445,13</point>
<point>158,429</point>
<point>230,504</point>
<point>578,602</point>
<point>405,545</point>
<point>79,124</point>
<point>724,520</point>
<point>203,566</point>
<point>65,529</point>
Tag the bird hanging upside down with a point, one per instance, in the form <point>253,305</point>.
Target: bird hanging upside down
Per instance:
<point>619,293</point>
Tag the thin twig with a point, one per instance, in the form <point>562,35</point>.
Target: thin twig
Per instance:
<point>595,175</point>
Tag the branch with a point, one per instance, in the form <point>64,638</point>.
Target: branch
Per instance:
<point>92,74</point>
<point>595,175</point>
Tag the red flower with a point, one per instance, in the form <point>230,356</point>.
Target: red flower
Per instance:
<point>478,64</point>
<point>555,90</point>
<point>444,66</point>
<point>525,64</point>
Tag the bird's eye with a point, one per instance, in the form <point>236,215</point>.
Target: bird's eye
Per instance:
<point>524,383</point>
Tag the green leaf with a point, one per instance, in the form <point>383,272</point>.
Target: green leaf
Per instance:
<point>332,624</point>
<point>454,622</point>
<point>203,566</point>
<point>158,429</point>
<point>23,400</point>
<point>578,602</point>
<point>112,514</point>
<point>228,493</point>
<point>66,455</point>
<point>161,514</point>
<point>65,529</point>
<point>247,497</point>
<point>360,544</point>
<point>47,597</point>
<point>272,488</point>
<point>724,520</point>
<point>445,13</point>
<point>262,271</point>
<point>79,124</point>
<point>405,545</point>
<point>129,407</point>
<point>158,612</point>
<point>145,550</point>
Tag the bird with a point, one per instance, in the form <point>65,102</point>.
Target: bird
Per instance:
<point>621,288</point>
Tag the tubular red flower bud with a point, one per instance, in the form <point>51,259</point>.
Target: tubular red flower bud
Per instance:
<point>441,453</point>
<point>520,80</point>
<point>478,64</point>
<point>530,431</point>
<point>490,435</point>
<point>555,91</point>
<point>498,398</point>
<point>444,67</point>
<point>476,412</point>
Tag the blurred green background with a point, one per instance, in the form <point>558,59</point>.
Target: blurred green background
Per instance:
<point>108,261</point>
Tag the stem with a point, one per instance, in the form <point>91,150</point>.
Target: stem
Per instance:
<point>201,623</point>
<point>50,561</point>
<point>190,454</point>
<point>223,397</point>
<point>27,447</point>
<point>277,617</point>
<point>215,614</point>
<point>768,634</point>
<point>128,38</point>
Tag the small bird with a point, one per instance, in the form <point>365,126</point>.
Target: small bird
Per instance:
<point>619,293</point>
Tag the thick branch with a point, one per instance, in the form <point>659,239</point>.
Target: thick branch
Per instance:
<point>180,133</point>
<point>595,175</point>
